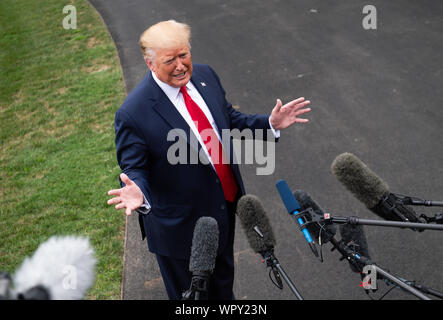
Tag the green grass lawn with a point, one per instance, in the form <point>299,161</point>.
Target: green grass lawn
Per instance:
<point>59,92</point>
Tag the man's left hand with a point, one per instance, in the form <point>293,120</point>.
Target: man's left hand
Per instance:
<point>283,116</point>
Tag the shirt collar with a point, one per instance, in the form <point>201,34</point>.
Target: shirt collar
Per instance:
<point>171,92</point>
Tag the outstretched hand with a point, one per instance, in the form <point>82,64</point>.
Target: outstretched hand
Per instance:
<point>283,116</point>
<point>130,197</point>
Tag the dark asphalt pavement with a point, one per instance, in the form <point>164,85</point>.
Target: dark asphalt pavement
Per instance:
<point>375,93</point>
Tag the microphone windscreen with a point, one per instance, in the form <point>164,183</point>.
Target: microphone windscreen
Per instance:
<point>354,237</point>
<point>64,266</point>
<point>315,228</point>
<point>287,197</point>
<point>370,189</point>
<point>359,179</point>
<point>204,245</point>
<point>252,214</point>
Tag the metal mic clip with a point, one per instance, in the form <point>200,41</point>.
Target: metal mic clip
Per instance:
<point>305,218</point>
<point>257,230</point>
<point>272,262</point>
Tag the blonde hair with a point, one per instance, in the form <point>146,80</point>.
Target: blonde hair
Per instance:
<point>164,35</point>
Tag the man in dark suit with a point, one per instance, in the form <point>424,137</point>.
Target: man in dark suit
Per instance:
<point>170,197</point>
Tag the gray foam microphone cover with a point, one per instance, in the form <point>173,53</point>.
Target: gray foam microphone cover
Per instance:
<point>359,179</point>
<point>252,214</point>
<point>204,245</point>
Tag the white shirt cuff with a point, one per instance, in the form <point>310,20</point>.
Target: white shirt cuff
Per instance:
<point>145,207</point>
<point>275,132</point>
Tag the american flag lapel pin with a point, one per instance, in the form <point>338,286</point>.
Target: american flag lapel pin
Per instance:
<point>203,84</point>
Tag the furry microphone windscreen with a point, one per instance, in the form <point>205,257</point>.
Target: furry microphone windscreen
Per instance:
<point>354,237</point>
<point>64,266</point>
<point>204,245</point>
<point>252,214</point>
<point>359,179</point>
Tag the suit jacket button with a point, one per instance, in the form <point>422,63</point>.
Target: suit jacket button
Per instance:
<point>222,207</point>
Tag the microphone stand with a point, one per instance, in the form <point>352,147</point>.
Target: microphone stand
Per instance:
<point>384,223</point>
<point>277,269</point>
<point>199,287</point>
<point>424,289</point>
<point>413,201</point>
<point>358,260</point>
<point>271,261</point>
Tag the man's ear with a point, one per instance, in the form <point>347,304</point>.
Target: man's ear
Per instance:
<point>149,63</point>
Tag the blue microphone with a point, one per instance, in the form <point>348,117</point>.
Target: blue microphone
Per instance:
<point>293,208</point>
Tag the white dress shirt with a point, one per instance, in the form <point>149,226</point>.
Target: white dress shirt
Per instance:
<point>176,98</point>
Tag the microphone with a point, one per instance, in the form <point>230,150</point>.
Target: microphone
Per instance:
<point>355,245</point>
<point>372,191</point>
<point>203,255</point>
<point>261,238</point>
<point>62,268</point>
<point>353,237</point>
<point>293,208</point>
<point>317,227</point>
<point>256,224</point>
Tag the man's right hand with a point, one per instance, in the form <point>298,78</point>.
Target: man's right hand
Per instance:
<point>130,197</point>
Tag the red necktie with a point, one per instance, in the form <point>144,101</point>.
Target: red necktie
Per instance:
<point>214,147</point>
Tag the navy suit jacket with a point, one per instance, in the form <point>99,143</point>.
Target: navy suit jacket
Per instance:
<point>179,194</point>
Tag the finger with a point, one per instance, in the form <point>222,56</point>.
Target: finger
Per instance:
<point>299,105</point>
<point>302,104</point>
<point>301,120</point>
<point>128,211</point>
<point>120,206</point>
<point>302,111</point>
<point>125,179</point>
<point>278,105</point>
<point>114,192</point>
<point>114,200</point>
<point>294,102</point>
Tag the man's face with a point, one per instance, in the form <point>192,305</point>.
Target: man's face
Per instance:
<point>172,66</point>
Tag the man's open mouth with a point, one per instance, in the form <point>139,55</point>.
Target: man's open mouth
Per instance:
<point>180,75</point>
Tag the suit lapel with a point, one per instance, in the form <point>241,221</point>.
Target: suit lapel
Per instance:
<point>164,107</point>
<point>208,94</point>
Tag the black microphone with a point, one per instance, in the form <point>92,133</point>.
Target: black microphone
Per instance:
<point>372,191</point>
<point>320,231</point>
<point>261,238</point>
<point>203,255</point>
<point>353,237</point>
<point>353,242</point>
